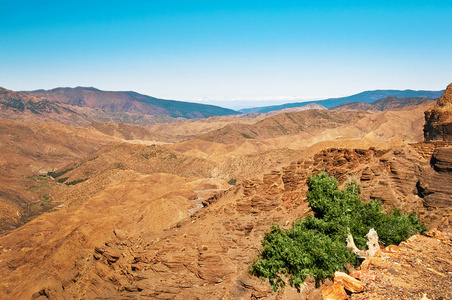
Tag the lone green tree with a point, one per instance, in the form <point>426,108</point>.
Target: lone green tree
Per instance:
<point>316,246</point>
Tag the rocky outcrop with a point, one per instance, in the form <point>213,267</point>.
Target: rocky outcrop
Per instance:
<point>420,266</point>
<point>438,120</point>
<point>389,176</point>
<point>427,148</point>
<point>350,284</point>
<point>334,292</point>
<point>399,177</point>
<point>434,184</point>
<point>442,160</point>
<point>342,282</point>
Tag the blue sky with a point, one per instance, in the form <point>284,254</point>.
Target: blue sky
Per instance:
<point>221,51</point>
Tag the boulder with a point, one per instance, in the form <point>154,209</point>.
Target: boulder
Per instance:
<point>334,292</point>
<point>350,284</point>
<point>363,276</point>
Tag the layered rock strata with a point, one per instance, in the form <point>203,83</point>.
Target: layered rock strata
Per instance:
<point>438,120</point>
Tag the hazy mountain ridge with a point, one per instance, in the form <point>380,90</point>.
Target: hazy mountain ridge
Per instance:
<point>366,97</point>
<point>36,109</point>
<point>96,105</point>
<point>387,103</point>
<point>130,102</point>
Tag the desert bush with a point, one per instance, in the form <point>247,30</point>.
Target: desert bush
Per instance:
<point>316,246</point>
<point>60,173</point>
<point>232,181</point>
<point>62,179</point>
<point>246,136</point>
<point>74,182</point>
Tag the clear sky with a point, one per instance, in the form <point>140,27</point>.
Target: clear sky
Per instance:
<point>227,50</point>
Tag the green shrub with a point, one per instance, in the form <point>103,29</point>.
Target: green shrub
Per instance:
<point>232,181</point>
<point>60,173</point>
<point>246,136</point>
<point>74,182</point>
<point>316,246</point>
<point>120,166</point>
<point>62,179</point>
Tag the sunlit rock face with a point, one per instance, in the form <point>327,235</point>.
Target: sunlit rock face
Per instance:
<point>438,120</point>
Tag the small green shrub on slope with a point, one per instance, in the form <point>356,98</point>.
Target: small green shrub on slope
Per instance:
<point>316,246</point>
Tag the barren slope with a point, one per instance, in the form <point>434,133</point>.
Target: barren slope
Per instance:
<point>130,224</point>
<point>206,256</point>
<point>37,109</point>
<point>247,157</point>
<point>282,125</point>
<point>169,132</point>
<point>28,150</point>
<point>45,250</point>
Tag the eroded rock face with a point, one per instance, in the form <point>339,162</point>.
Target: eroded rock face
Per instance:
<point>389,176</point>
<point>207,254</point>
<point>442,160</point>
<point>438,120</point>
<point>435,183</point>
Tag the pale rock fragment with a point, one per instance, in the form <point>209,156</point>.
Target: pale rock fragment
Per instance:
<point>334,292</point>
<point>372,244</point>
<point>351,284</point>
<point>363,276</point>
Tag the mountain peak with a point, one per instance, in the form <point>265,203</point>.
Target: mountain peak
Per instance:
<point>87,88</point>
<point>446,98</point>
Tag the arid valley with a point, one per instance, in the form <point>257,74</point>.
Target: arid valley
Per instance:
<point>107,195</point>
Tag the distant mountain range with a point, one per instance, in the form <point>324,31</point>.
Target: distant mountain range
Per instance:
<point>85,105</point>
<point>365,97</point>
<point>130,102</point>
<point>390,102</point>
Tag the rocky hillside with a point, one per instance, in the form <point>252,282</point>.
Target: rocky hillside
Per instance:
<point>138,249</point>
<point>361,106</point>
<point>292,109</point>
<point>130,102</point>
<point>30,150</point>
<point>438,120</point>
<point>145,159</point>
<point>169,132</point>
<point>285,124</point>
<point>31,108</point>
